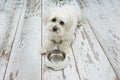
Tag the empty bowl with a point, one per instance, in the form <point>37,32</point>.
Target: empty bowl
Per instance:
<point>56,56</point>
<point>56,59</point>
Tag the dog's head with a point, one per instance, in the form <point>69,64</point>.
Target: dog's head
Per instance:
<point>60,20</point>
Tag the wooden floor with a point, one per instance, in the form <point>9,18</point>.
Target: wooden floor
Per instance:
<point>95,54</point>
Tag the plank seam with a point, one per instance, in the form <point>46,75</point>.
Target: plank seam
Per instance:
<point>13,40</point>
<point>102,49</point>
<point>64,77</point>
<point>76,64</point>
<point>41,41</point>
<point>100,43</point>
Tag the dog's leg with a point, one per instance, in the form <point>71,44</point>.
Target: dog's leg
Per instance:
<point>65,45</point>
<point>48,45</point>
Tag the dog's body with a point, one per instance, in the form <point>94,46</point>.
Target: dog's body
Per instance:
<point>59,25</point>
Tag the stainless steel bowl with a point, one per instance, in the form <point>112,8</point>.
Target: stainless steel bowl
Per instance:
<point>56,59</point>
<point>56,56</point>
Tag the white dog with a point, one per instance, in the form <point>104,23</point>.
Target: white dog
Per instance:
<point>59,26</point>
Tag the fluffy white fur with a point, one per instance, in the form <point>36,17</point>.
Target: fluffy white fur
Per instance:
<point>67,20</point>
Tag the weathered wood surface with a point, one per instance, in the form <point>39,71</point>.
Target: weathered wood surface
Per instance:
<point>87,60</point>
<point>10,12</point>
<point>47,73</point>
<point>94,54</point>
<point>91,60</point>
<point>68,73</point>
<point>104,18</point>
<point>24,63</point>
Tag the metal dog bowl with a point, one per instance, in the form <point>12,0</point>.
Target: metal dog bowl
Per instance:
<point>55,58</point>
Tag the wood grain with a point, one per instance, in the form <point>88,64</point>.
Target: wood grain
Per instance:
<point>87,60</point>
<point>104,17</point>
<point>94,54</point>
<point>25,60</point>
<point>10,11</point>
<point>70,72</point>
<point>90,57</point>
<point>48,73</point>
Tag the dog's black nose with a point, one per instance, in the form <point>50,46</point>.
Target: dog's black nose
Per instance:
<point>55,28</point>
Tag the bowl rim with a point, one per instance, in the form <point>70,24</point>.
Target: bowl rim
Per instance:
<point>56,51</point>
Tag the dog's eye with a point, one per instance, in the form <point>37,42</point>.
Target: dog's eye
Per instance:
<point>53,20</point>
<point>62,23</point>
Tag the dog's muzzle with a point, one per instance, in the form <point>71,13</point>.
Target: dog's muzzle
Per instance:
<point>55,28</point>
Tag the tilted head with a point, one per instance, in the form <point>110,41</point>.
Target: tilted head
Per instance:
<point>60,20</point>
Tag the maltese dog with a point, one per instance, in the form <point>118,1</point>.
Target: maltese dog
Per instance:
<point>59,26</point>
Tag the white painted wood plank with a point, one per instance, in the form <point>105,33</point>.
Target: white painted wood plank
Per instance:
<point>70,72</point>
<point>91,60</point>
<point>25,60</point>
<point>10,11</point>
<point>104,19</point>
<point>90,57</point>
<point>48,73</point>
<point>90,66</point>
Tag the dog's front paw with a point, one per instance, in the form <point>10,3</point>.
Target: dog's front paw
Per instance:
<point>43,51</point>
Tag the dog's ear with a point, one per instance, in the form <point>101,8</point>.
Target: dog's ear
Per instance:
<point>47,15</point>
<point>81,19</point>
<point>76,22</point>
<point>79,15</point>
<point>71,23</point>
